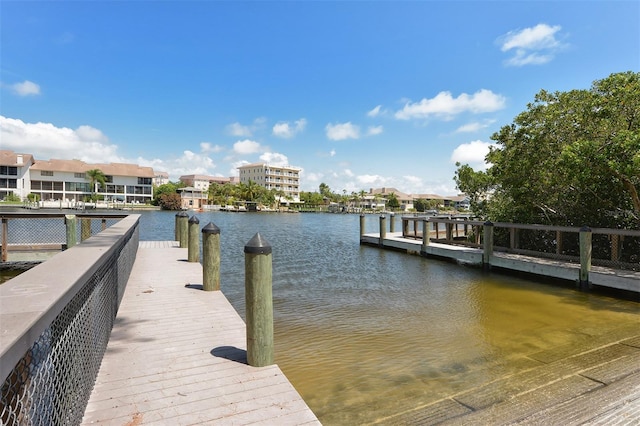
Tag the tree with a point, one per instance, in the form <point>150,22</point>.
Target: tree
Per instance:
<point>392,201</point>
<point>571,158</point>
<point>167,188</point>
<point>170,201</point>
<point>95,176</point>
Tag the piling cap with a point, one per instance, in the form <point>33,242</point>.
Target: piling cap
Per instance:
<point>182,214</point>
<point>585,228</point>
<point>194,219</point>
<point>257,245</point>
<point>488,223</point>
<point>211,229</point>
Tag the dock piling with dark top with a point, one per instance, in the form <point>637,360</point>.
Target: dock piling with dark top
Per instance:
<point>71,225</point>
<point>182,233</point>
<point>193,253</point>
<point>259,301</point>
<point>210,257</point>
<point>392,222</point>
<point>362,217</point>
<point>383,229</point>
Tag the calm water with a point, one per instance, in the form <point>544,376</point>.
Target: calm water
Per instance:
<point>364,333</point>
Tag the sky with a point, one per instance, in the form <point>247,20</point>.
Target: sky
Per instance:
<point>358,94</point>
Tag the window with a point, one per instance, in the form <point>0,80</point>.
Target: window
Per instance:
<point>80,175</point>
<point>46,173</point>
<point>108,178</point>
<point>8,170</point>
<point>144,181</point>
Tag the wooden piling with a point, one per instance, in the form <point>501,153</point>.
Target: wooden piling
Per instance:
<point>210,257</point>
<point>362,217</point>
<point>193,252</point>
<point>392,222</point>
<point>259,302</point>
<point>5,236</point>
<point>425,235</point>
<point>383,229</point>
<point>487,245</point>
<point>85,228</point>
<point>585,257</point>
<point>183,229</point>
<point>70,223</point>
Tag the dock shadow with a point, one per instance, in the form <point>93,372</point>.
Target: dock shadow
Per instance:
<point>231,353</point>
<point>194,286</point>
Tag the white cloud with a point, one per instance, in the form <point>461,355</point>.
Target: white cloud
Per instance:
<point>531,46</point>
<point>246,147</point>
<point>26,88</point>
<point>286,130</point>
<point>207,147</point>
<point>374,130</point>
<point>375,112</point>
<point>474,127</point>
<point>375,180</point>
<point>472,153</point>
<point>348,172</point>
<point>444,105</point>
<point>341,131</point>
<point>332,153</point>
<point>48,141</point>
<point>237,129</point>
<point>275,159</point>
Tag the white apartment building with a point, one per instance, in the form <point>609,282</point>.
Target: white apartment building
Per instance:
<point>14,174</point>
<point>280,178</point>
<point>202,182</point>
<point>66,180</point>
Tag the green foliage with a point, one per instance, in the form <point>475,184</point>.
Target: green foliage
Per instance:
<point>32,197</point>
<point>167,188</point>
<point>170,201</point>
<point>392,201</point>
<point>572,158</point>
<point>12,197</point>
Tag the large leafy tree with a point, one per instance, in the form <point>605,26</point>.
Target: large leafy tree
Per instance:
<point>571,158</point>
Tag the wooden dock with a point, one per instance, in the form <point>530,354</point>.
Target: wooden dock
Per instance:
<point>598,276</point>
<point>177,355</point>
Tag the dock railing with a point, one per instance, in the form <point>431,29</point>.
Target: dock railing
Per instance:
<point>46,231</point>
<point>614,248</point>
<point>55,322</point>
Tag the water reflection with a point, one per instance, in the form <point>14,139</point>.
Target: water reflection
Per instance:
<point>364,333</point>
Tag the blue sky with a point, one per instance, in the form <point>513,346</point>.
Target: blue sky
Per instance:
<point>358,94</point>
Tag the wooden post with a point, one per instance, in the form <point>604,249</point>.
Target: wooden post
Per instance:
<point>104,223</point>
<point>487,245</point>
<point>85,228</point>
<point>558,242</point>
<point>361,225</point>
<point>211,257</point>
<point>193,252</point>
<point>405,227</point>
<point>383,229</point>
<point>585,257</point>
<point>449,231</point>
<point>392,222</point>
<point>176,227</point>
<point>425,235</point>
<point>70,222</point>
<point>259,301</point>
<point>615,247</point>
<point>5,236</point>
<point>183,229</point>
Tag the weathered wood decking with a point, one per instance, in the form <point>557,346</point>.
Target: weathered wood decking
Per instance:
<point>177,355</point>
<point>604,277</point>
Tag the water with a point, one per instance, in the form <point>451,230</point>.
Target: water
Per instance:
<point>364,333</point>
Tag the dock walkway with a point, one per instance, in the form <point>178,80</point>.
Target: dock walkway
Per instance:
<point>177,355</point>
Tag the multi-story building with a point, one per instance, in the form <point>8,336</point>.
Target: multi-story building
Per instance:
<point>14,174</point>
<point>67,181</point>
<point>280,178</point>
<point>161,178</point>
<point>202,182</point>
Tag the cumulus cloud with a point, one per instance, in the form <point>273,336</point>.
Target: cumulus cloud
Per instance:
<point>48,141</point>
<point>444,105</point>
<point>472,153</point>
<point>375,112</point>
<point>207,147</point>
<point>246,147</point>
<point>341,131</point>
<point>474,127</point>
<point>375,180</point>
<point>531,46</point>
<point>374,130</point>
<point>275,159</point>
<point>237,129</point>
<point>332,153</point>
<point>287,130</point>
<point>26,88</point>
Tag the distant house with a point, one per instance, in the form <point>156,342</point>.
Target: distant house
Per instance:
<point>192,198</point>
<point>161,178</point>
<point>14,174</point>
<point>203,182</point>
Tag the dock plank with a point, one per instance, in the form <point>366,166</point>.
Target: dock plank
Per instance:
<point>177,355</point>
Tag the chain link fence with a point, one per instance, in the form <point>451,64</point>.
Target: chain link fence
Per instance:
<point>51,384</point>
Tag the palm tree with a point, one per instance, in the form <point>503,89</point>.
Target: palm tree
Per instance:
<point>95,176</point>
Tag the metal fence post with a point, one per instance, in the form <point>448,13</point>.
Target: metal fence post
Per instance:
<point>585,257</point>
<point>70,222</point>
<point>259,301</point>
<point>193,251</point>
<point>211,257</point>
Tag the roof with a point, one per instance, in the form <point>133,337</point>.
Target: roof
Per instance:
<point>78,166</point>
<point>10,158</point>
